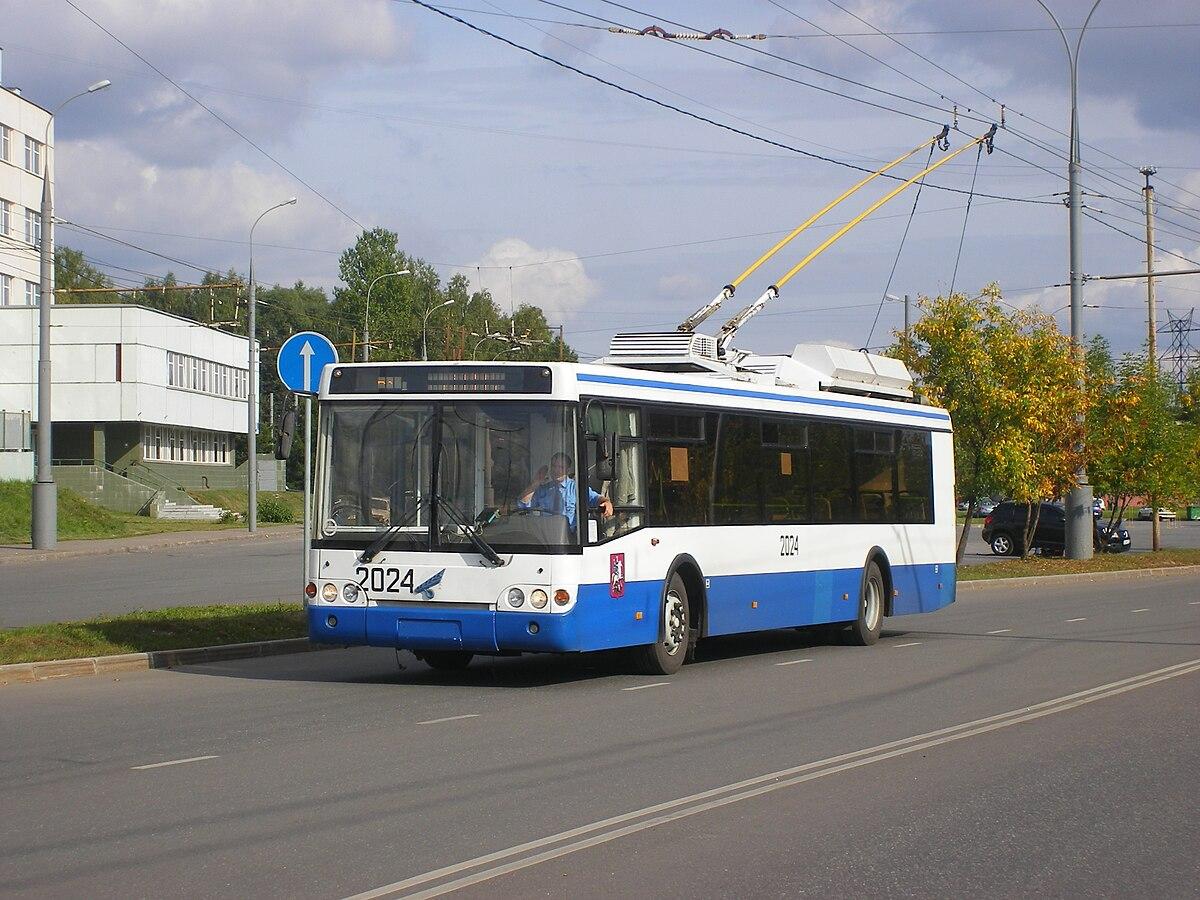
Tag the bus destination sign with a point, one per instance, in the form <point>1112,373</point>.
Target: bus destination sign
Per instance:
<point>440,379</point>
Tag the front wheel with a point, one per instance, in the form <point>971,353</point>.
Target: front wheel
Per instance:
<point>1002,544</point>
<point>865,629</point>
<point>666,655</point>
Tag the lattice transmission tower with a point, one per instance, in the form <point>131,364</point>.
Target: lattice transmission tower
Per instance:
<point>1181,356</point>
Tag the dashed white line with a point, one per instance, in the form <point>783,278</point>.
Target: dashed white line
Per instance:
<point>1194,603</point>
<point>449,719</point>
<point>909,644</point>
<point>1143,609</point>
<point>174,762</point>
<point>1000,631</point>
<point>792,662</point>
<point>642,687</point>
<point>1080,619</point>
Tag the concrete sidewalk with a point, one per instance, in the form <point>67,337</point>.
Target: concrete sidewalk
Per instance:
<point>23,553</point>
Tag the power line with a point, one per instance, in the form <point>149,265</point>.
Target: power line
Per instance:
<point>215,115</point>
<point>689,114</point>
<point>1140,240</point>
<point>108,237</point>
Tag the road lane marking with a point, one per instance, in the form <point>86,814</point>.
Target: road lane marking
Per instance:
<point>1194,603</point>
<point>1000,631</point>
<point>792,662</point>
<point>173,762</point>
<point>522,856</point>
<point>909,644</point>
<point>449,719</point>
<point>1080,619</point>
<point>1143,609</point>
<point>642,687</point>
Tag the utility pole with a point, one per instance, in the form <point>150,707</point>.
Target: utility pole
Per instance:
<point>1151,330</point>
<point>907,317</point>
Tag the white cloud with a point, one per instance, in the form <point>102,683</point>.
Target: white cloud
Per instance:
<point>684,285</point>
<point>560,285</point>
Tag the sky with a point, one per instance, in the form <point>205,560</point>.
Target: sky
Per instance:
<point>608,210</point>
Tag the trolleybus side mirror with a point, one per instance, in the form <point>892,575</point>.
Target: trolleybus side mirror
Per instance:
<point>283,441</point>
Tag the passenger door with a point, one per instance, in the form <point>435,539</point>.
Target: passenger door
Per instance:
<point>1051,530</point>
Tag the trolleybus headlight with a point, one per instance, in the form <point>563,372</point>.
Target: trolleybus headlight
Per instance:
<point>539,599</point>
<point>329,592</point>
<point>350,592</point>
<point>310,590</point>
<point>561,597</point>
<point>516,597</point>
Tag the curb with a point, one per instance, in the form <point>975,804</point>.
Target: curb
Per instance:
<point>1026,580</point>
<point>11,555</point>
<point>155,659</point>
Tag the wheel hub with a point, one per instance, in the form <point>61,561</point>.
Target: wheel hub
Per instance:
<point>675,621</point>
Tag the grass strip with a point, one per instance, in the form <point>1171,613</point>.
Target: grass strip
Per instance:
<point>1104,562</point>
<point>174,628</point>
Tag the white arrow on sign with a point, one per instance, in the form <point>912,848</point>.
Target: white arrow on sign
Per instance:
<point>307,352</point>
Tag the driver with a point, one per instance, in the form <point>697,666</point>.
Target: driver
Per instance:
<point>553,490</point>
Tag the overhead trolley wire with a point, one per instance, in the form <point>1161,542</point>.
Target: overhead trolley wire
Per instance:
<point>696,116</point>
<point>208,109</point>
<point>966,217</point>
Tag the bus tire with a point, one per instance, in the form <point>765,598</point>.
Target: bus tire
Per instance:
<point>447,660</point>
<point>864,630</point>
<point>666,655</point>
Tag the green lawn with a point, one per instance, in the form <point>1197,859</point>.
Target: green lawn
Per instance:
<point>162,629</point>
<point>1102,562</point>
<point>80,520</point>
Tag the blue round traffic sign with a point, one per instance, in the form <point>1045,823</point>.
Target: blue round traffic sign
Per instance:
<point>301,359</point>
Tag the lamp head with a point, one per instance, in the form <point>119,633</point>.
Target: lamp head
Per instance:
<point>288,202</point>
<point>99,86</point>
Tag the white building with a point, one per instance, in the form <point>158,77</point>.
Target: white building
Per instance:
<point>133,388</point>
<point>23,134</point>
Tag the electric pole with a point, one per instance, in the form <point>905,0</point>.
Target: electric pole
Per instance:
<point>1152,330</point>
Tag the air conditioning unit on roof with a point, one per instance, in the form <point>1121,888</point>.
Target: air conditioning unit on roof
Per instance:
<point>856,371</point>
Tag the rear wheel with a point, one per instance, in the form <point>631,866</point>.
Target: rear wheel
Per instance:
<point>865,629</point>
<point>447,660</point>
<point>1002,544</point>
<point>666,655</point>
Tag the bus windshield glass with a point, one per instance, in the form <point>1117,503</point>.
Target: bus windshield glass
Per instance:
<point>504,470</point>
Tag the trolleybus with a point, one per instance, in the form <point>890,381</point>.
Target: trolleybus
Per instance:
<point>648,501</point>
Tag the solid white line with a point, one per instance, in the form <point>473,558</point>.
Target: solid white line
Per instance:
<point>173,762</point>
<point>642,687</point>
<point>449,719</point>
<point>792,662</point>
<point>909,644</point>
<point>672,810</point>
<point>1080,619</point>
<point>1143,609</point>
<point>1000,631</point>
<point>1194,603</point>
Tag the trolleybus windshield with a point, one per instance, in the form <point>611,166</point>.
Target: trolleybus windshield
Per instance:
<point>505,469</point>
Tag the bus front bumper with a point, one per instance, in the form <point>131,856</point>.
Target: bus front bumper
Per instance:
<point>476,630</point>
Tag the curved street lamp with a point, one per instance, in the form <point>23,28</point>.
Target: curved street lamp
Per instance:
<point>1079,500</point>
<point>252,386</point>
<point>367,311</point>
<point>43,524</point>
<point>424,322</point>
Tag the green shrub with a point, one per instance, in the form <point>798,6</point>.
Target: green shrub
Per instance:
<point>272,510</point>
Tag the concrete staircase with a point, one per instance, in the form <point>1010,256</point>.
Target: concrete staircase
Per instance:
<point>190,512</point>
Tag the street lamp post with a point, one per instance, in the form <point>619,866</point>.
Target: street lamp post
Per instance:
<point>43,524</point>
<point>367,311</point>
<point>424,322</point>
<point>252,387</point>
<point>1080,526</point>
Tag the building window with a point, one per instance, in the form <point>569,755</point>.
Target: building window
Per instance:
<point>33,293</point>
<point>5,290</point>
<point>5,218</point>
<point>166,443</point>
<point>5,142</point>
<point>33,227</point>
<point>33,156</point>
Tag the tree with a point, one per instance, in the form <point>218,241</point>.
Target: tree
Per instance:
<point>1010,381</point>
<point>77,281</point>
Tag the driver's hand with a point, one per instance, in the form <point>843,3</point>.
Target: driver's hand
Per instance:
<point>543,475</point>
<point>606,507</point>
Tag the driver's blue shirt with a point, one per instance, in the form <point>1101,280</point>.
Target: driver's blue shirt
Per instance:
<point>544,498</point>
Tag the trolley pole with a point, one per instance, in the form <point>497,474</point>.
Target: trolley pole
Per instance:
<point>1151,330</point>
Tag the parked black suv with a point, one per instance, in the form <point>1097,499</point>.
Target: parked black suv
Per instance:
<point>1004,531</point>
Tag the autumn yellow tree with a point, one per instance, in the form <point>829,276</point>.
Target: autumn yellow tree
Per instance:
<point>1014,388</point>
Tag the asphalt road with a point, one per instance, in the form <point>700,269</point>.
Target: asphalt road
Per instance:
<point>1024,741</point>
<point>264,570</point>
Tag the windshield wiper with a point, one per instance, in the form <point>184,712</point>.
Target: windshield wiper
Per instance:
<point>485,549</point>
<point>388,535</point>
